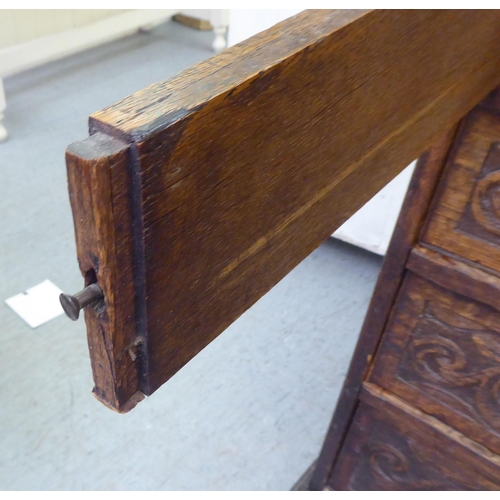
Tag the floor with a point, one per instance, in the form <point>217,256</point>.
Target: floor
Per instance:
<point>248,413</point>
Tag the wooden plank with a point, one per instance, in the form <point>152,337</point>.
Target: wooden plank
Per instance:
<point>249,160</point>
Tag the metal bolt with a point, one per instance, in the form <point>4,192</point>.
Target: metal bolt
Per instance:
<point>72,304</point>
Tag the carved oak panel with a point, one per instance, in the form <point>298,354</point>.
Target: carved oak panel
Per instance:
<point>441,353</point>
<point>420,408</point>
<point>481,217</point>
<point>388,449</point>
<point>466,216</point>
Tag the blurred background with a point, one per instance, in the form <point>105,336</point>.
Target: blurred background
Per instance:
<point>251,410</point>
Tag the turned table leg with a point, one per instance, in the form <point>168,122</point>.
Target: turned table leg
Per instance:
<point>219,42</point>
<point>219,19</point>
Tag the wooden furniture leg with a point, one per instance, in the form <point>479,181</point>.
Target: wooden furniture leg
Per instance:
<point>219,19</point>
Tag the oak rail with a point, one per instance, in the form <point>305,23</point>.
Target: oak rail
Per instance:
<point>193,197</point>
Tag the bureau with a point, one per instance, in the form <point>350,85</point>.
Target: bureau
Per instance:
<point>420,408</point>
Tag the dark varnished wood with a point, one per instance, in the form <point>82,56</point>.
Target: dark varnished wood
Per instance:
<point>468,279</point>
<point>243,164</point>
<point>99,195</point>
<point>465,220</point>
<point>436,349</point>
<point>441,354</point>
<point>392,446</point>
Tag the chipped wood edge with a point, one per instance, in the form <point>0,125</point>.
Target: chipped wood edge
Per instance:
<point>115,346</point>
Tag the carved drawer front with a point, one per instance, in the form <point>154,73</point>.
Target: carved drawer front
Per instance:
<point>390,448</point>
<point>441,353</point>
<point>465,219</point>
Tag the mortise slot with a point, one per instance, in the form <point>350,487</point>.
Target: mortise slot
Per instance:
<point>90,277</point>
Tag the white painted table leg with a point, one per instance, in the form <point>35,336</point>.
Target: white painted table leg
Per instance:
<point>219,18</point>
<point>3,104</point>
<point>219,42</point>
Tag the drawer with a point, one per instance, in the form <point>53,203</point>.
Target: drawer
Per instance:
<point>465,218</point>
<point>388,447</point>
<point>440,352</point>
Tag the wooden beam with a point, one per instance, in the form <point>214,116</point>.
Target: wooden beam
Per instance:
<point>243,164</point>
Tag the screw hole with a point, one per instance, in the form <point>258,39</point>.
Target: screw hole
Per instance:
<point>90,277</point>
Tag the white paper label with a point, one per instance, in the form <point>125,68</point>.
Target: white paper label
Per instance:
<point>38,304</point>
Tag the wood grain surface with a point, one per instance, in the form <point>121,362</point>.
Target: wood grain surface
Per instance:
<point>243,164</point>
<point>393,446</point>
<point>465,220</point>
<point>467,278</point>
<point>441,354</point>
<point>99,195</point>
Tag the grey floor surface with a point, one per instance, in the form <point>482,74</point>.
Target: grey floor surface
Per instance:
<point>248,413</point>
